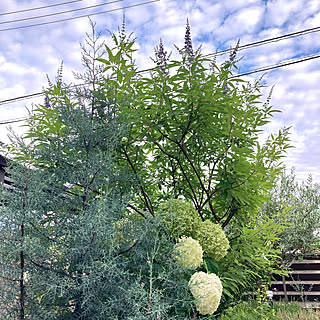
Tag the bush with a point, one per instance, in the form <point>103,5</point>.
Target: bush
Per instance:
<point>124,145</point>
<point>302,201</point>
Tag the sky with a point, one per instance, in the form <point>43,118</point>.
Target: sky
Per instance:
<point>29,54</point>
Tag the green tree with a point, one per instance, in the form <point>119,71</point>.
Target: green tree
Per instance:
<point>63,229</point>
<point>61,254</point>
<point>122,147</point>
<point>303,202</point>
<point>193,132</point>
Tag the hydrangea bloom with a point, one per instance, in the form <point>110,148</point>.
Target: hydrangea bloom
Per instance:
<point>206,290</point>
<point>179,217</point>
<point>212,239</point>
<point>188,253</point>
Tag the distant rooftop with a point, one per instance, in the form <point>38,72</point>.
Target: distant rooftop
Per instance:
<point>3,161</point>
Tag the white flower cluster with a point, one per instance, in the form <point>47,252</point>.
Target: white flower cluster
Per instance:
<point>182,220</point>
<point>212,239</point>
<point>179,217</point>
<point>188,253</point>
<point>206,290</point>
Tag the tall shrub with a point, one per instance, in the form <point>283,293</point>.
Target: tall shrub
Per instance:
<point>302,200</point>
<point>193,130</point>
<point>193,133</point>
<point>102,163</point>
<point>70,248</point>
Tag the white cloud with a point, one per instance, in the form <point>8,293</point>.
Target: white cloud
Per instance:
<point>243,21</point>
<point>27,55</point>
<point>280,11</point>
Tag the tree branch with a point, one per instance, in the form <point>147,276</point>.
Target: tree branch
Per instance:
<point>136,210</point>
<point>127,250</point>
<point>200,181</point>
<point>52,269</point>
<point>9,279</point>
<point>7,238</point>
<point>230,216</point>
<point>173,179</point>
<point>188,124</point>
<point>245,180</point>
<point>195,200</point>
<point>209,197</point>
<point>145,196</point>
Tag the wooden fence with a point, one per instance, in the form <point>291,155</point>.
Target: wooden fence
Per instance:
<point>302,284</point>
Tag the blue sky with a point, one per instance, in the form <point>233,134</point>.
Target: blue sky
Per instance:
<point>28,54</point>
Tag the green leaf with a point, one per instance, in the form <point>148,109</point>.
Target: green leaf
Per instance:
<point>211,265</point>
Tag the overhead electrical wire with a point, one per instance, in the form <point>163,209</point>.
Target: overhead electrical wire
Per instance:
<point>246,46</point>
<point>261,42</point>
<point>279,65</point>
<point>32,95</point>
<point>60,12</point>
<point>9,121</point>
<point>78,17</point>
<point>263,69</point>
<point>39,8</point>
<point>266,41</point>
<point>25,97</point>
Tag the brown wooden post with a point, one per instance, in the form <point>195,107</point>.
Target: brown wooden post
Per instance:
<point>285,289</point>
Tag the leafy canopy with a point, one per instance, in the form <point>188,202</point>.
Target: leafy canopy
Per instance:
<point>193,132</point>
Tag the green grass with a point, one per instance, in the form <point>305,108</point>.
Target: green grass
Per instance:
<point>251,310</point>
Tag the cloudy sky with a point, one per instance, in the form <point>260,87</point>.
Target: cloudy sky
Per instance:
<point>28,54</point>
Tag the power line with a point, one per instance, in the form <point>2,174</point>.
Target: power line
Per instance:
<point>262,69</point>
<point>267,68</point>
<point>266,41</point>
<point>9,121</point>
<point>32,95</point>
<point>38,8</point>
<point>246,46</point>
<point>280,65</point>
<point>61,12</point>
<point>27,96</point>
<point>262,42</point>
<point>78,17</point>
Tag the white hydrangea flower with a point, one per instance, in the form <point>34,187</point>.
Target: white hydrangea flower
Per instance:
<point>212,239</point>
<point>206,290</point>
<point>188,253</point>
<point>179,217</point>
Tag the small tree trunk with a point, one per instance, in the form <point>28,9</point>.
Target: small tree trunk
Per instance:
<point>22,291</point>
<point>285,289</point>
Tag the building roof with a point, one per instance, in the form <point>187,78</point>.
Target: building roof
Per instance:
<point>3,161</point>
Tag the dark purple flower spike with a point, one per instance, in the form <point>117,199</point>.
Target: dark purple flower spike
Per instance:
<point>161,57</point>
